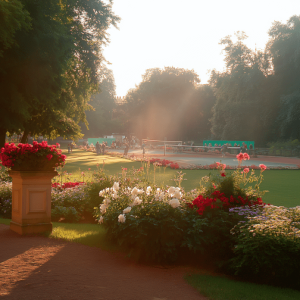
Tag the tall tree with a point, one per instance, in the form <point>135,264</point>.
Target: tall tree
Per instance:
<point>284,49</point>
<point>13,17</point>
<point>46,78</point>
<point>240,110</point>
<point>158,106</point>
<point>100,119</point>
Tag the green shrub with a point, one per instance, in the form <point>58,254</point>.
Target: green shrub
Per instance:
<point>150,223</point>
<point>267,246</point>
<point>68,214</point>
<point>4,176</point>
<point>69,197</point>
<point>91,191</point>
<point>5,199</point>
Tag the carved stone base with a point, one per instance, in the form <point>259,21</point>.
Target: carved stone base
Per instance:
<point>31,201</point>
<point>30,228</point>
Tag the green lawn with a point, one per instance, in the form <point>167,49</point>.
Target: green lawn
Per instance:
<point>92,235</point>
<point>222,288</point>
<point>283,185</point>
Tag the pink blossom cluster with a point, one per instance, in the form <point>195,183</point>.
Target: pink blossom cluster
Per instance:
<point>243,156</point>
<point>11,153</point>
<point>164,163</point>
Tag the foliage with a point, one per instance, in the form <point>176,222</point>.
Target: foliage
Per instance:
<point>68,214</point>
<point>164,98</point>
<point>91,191</point>
<point>267,246</point>
<point>48,74</point>
<point>83,197</point>
<point>5,199</point>
<point>148,222</point>
<point>101,119</point>
<point>283,49</point>
<point>293,146</point>
<point>13,17</point>
<point>4,176</point>
<point>240,92</point>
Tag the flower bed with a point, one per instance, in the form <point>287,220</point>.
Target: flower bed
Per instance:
<point>225,219</point>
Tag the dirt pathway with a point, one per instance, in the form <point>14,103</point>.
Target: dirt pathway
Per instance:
<point>44,268</point>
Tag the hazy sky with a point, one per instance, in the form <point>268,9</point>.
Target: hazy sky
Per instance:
<point>185,34</point>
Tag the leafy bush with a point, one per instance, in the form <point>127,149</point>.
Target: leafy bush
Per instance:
<point>149,222</point>
<point>84,197</point>
<point>268,246</point>
<point>5,199</point>
<point>4,174</point>
<point>69,197</point>
<point>91,191</point>
<point>69,214</point>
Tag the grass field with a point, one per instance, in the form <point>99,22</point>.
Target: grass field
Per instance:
<point>222,288</point>
<point>283,185</point>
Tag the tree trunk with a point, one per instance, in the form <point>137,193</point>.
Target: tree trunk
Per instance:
<point>24,138</point>
<point>2,137</point>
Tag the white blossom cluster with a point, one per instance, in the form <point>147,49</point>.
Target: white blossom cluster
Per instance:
<point>276,221</point>
<point>137,196</point>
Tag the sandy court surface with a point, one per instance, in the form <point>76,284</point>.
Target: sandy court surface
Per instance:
<point>43,268</point>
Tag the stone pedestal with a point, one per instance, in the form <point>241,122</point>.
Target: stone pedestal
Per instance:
<point>31,201</point>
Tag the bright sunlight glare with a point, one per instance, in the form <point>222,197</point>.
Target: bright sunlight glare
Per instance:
<point>185,34</point>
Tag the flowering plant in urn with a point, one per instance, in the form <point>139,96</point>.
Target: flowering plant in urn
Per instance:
<point>36,157</point>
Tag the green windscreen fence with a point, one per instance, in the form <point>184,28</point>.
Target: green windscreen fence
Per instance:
<point>240,143</point>
<point>101,140</point>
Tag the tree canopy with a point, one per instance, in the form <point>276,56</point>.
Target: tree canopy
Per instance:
<point>163,104</point>
<point>52,66</point>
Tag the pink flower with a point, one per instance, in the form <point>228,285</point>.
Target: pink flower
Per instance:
<point>262,167</point>
<point>246,156</point>
<point>49,156</point>
<point>240,156</point>
<point>246,170</point>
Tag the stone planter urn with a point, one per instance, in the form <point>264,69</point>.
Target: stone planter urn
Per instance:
<point>31,201</point>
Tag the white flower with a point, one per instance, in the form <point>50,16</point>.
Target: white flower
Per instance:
<point>135,191</point>
<point>103,208</point>
<point>101,193</point>
<point>148,190</point>
<point>116,186</point>
<point>121,218</point>
<point>106,201</point>
<point>137,201</point>
<point>159,195</point>
<point>171,191</point>
<point>115,195</point>
<point>177,193</point>
<point>127,210</point>
<point>100,220</point>
<point>174,202</point>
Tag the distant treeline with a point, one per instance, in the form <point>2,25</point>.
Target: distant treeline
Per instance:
<point>257,98</point>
